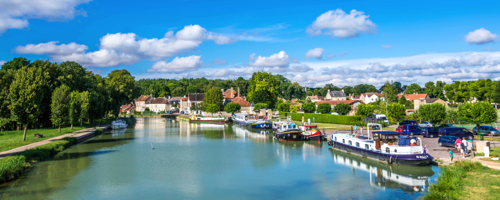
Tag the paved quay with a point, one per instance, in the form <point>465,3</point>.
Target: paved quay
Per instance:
<point>81,135</point>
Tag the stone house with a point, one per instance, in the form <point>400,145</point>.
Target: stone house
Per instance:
<point>142,102</point>
<point>315,98</point>
<point>420,102</point>
<point>159,104</point>
<point>194,99</point>
<point>335,96</point>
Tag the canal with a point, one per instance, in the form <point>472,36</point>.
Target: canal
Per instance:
<point>209,161</point>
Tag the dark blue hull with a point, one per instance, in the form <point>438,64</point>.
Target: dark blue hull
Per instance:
<point>263,125</point>
<point>401,159</point>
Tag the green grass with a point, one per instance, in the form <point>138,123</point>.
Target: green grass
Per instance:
<point>481,184</point>
<point>13,139</point>
<point>487,138</point>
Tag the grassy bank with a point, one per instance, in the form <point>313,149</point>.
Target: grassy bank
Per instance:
<point>14,166</point>
<point>461,181</point>
<point>13,139</point>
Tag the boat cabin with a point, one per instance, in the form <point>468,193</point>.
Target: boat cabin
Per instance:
<point>313,128</point>
<point>392,142</point>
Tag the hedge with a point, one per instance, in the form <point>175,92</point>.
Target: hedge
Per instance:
<point>14,166</point>
<point>326,118</point>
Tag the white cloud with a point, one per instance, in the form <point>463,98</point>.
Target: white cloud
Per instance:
<point>219,62</point>
<point>51,48</point>
<point>315,53</point>
<point>480,36</point>
<point>2,62</point>
<point>468,75</point>
<point>196,74</point>
<point>15,14</point>
<point>342,25</point>
<point>300,68</point>
<point>490,69</point>
<point>177,65</point>
<point>344,53</point>
<point>126,48</point>
<point>280,59</point>
<point>386,46</point>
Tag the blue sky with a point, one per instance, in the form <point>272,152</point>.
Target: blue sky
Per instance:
<point>377,42</point>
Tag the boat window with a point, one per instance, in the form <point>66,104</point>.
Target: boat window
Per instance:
<point>387,150</point>
<point>367,146</point>
<point>343,141</point>
<point>335,138</point>
<point>395,150</point>
<point>350,142</point>
<point>357,144</point>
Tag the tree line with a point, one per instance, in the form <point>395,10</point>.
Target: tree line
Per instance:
<point>44,94</point>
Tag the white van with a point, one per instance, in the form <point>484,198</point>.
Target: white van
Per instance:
<point>381,116</point>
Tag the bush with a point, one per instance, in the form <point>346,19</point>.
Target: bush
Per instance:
<point>294,108</point>
<point>97,132</point>
<point>324,108</point>
<point>327,118</point>
<point>12,167</point>
<point>284,107</point>
<point>259,106</point>
<point>309,107</point>
<point>342,108</point>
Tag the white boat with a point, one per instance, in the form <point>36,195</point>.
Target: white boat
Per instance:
<point>119,124</point>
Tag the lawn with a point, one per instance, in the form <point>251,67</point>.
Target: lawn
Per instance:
<point>12,139</point>
<point>481,184</point>
<point>487,138</point>
<point>493,151</point>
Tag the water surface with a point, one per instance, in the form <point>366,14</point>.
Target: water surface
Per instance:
<point>208,161</point>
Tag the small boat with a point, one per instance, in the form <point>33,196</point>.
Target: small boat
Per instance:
<point>386,146</point>
<point>200,119</point>
<point>118,124</point>
<point>259,122</point>
<point>287,131</point>
<point>311,132</point>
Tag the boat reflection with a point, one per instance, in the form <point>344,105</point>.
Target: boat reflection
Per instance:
<point>407,178</point>
<point>253,134</point>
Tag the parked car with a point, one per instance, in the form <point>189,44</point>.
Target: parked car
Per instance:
<point>399,129</point>
<point>430,132</point>
<point>486,130</point>
<point>447,141</point>
<point>446,125</point>
<point>411,129</point>
<point>412,122</point>
<point>425,124</point>
<point>459,132</point>
<point>182,112</point>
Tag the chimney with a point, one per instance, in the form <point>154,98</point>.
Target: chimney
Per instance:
<point>232,95</point>
<point>168,96</point>
<point>222,90</point>
<point>238,91</point>
<point>342,90</point>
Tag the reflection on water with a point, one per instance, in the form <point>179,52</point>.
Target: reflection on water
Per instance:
<point>211,161</point>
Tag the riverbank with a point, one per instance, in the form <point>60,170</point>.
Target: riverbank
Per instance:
<point>466,180</point>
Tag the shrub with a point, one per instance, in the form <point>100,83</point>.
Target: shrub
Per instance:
<point>342,108</point>
<point>97,132</point>
<point>294,108</point>
<point>324,108</point>
<point>284,107</point>
<point>12,167</point>
<point>309,107</point>
<point>259,106</point>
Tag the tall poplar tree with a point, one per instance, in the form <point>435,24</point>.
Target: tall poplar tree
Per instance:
<point>74,108</point>
<point>59,106</point>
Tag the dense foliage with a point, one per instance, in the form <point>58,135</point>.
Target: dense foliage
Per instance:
<point>324,108</point>
<point>284,107</point>
<point>214,96</point>
<point>434,113</point>
<point>342,108</point>
<point>232,107</point>
<point>397,113</point>
<point>294,108</point>
<point>309,107</point>
<point>259,106</point>
<point>477,113</point>
<point>365,110</point>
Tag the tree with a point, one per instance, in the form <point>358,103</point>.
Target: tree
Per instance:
<point>26,96</point>
<point>434,113</point>
<point>178,91</point>
<point>365,110</point>
<point>59,106</point>
<point>259,106</point>
<point>6,78</point>
<point>263,89</point>
<point>342,108</point>
<point>477,113</point>
<point>450,92</point>
<point>390,91</point>
<point>438,91</point>
<point>85,106</point>
<point>121,87</point>
<point>15,64</point>
<point>74,108</point>
<point>397,112</point>
<point>403,101</point>
<point>284,107</point>
<point>294,108</point>
<point>495,97</point>
<point>214,96</point>
<point>232,107</point>
<point>413,88</point>
<point>212,108</point>
<point>429,89</point>
<point>324,108</point>
<point>309,107</point>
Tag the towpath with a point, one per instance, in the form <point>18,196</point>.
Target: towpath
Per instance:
<point>80,135</point>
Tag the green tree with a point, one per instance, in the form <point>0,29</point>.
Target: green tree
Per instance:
<point>434,113</point>
<point>390,91</point>
<point>365,110</point>
<point>429,89</point>
<point>263,89</point>
<point>495,97</point>
<point>397,112</point>
<point>309,107</point>
<point>74,108</point>
<point>403,101</point>
<point>178,92</point>
<point>438,91</point>
<point>294,108</point>
<point>26,96</point>
<point>212,108</point>
<point>342,108</point>
<point>284,107</point>
<point>450,93</point>
<point>85,106</point>
<point>477,113</point>
<point>15,64</point>
<point>259,106</point>
<point>324,108</point>
<point>59,106</point>
<point>232,107</point>
<point>6,78</point>
<point>214,96</point>
<point>121,87</point>
<point>413,88</point>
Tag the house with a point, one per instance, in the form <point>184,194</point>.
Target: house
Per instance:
<point>315,98</point>
<point>335,95</point>
<point>353,103</point>
<point>142,102</point>
<point>127,109</point>
<point>159,104</point>
<point>354,97</point>
<point>295,102</point>
<point>246,106</point>
<point>412,97</point>
<point>230,94</point>
<point>194,99</point>
<point>174,100</point>
<point>371,97</point>
<point>183,105</point>
<point>420,102</point>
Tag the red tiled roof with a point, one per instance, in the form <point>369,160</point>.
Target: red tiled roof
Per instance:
<point>159,100</point>
<point>315,97</point>
<point>229,94</point>
<point>176,98</point>
<point>143,98</point>
<point>411,97</point>
<point>349,102</point>
<point>241,101</point>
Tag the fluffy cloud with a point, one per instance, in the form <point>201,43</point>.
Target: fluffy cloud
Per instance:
<point>15,14</point>
<point>480,36</point>
<point>219,62</point>
<point>315,53</point>
<point>126,48</point>
<point>386,46</point>
<point>177,65</point>
<point>2,62</point>
<point>280,59</point>
<point>342,25</point>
